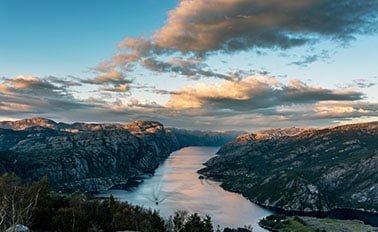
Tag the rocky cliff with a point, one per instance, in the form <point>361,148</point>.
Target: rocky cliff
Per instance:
<point>303,169</point>
<point>85,157</point>
<point>82,156</point>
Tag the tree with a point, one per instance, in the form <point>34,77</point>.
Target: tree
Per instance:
<point>179,220</point>
<point>196,224</point>
<point>18,200</point>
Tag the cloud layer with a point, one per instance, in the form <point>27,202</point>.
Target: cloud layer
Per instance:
<point>233,25</point>
<point>254,93</point>
<point>195,31</point>
<point>251,102</point>
<point>32,95</point>
<point>198,28</point>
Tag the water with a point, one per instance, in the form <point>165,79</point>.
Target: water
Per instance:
<point>176,186</point>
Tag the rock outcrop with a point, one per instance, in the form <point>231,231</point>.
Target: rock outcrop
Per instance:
<point>82,156</point>
<point>303,169</point>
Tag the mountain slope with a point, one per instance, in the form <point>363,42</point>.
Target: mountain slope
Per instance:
<point>87,160</point>
<point>88,157</point>
<point>303,170</point>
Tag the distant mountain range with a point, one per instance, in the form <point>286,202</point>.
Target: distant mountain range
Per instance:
<point>303,169</point>
<point>92,157</point>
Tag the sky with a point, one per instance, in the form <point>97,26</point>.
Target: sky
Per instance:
<point>195,64</point>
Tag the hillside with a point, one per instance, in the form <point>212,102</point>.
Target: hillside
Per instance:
<point>86,157</point>
<point>282,223</point>
<point>303,169</point>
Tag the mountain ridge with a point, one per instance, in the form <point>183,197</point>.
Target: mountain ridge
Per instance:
<point>87,157</point>
<point>312,170</point>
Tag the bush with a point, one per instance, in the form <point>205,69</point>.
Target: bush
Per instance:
<point>182,221</point>
<point>275,221</point>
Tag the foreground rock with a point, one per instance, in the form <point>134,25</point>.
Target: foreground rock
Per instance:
<point>84,157</point>
<point>18,228</point>
<point>303,169</point>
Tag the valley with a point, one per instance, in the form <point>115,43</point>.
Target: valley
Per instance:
<point>303,171</point>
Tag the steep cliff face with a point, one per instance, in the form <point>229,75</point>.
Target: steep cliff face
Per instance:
<point>88,157</point>
<point>243,141</point>
<point>305,170</point>
<point>87,160</point>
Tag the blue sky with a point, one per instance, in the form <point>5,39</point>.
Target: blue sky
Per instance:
<point>195,64</point>
<point>46,37</point>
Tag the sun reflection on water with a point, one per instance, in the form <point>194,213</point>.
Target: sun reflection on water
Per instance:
<point>176,186</point>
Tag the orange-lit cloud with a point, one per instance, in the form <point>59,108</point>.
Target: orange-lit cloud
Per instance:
<point>254,93</point>
<point>120,88</point>
<point>252,102</point>
<point>113,76</point>
<point>345,109</point>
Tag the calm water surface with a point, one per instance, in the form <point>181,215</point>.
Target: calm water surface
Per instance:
<point>176,186</point>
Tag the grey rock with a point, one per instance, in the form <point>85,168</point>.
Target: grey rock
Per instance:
<point>91,157</point>
<point>303,170</point>
<point>18,228</point>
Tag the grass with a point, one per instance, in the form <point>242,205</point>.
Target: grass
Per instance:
<point>283,223</point>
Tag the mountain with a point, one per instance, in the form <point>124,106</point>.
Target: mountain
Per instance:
<point>84,156</point>
<point>204,138</point>
<point>303,169</point>
<point>29,123</point>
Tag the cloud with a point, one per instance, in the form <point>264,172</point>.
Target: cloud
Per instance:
<point>299,115</point>
<point>253,93</point>
<point>123,88</point>
<point>247,104</point>
<point>27,84</point>
<point>328,111</point>
<point>361,83</point>
<point>234,25</point>
<point>199,28</point>
<point>192,69</point>
<point>305,60</point>
<point>333,109</point>
<point>33,95</point>
<point>112,77</point>
<point>62,82</point>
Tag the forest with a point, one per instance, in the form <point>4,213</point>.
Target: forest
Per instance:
<point>35,206</point>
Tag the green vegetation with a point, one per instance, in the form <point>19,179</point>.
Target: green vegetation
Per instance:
<point>18,201</point>
<point>278,222</point>
<point>35,206</point>
<point>282,223</point>
<point>245,229</point>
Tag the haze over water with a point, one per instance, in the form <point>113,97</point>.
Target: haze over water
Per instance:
<point>177,187</point>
